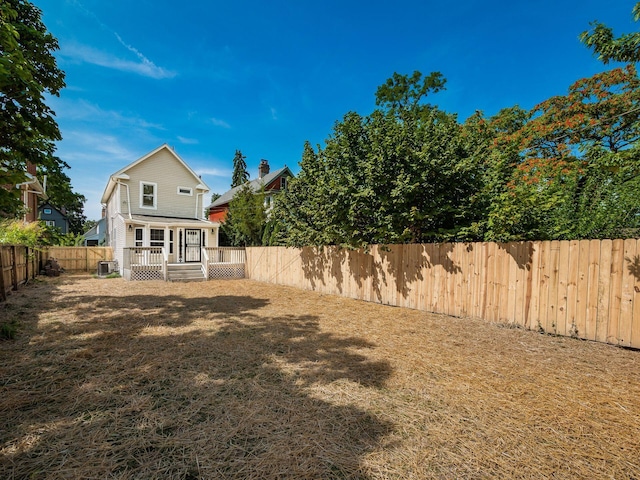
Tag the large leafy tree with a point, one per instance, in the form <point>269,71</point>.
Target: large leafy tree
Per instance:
<point>240,174</point>
<point>577,172</point>
<point>400,174</point>
<point>28,71</point>
<point>607,47</point>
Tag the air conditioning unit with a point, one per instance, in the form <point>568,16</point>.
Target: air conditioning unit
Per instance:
<point>105,268</point>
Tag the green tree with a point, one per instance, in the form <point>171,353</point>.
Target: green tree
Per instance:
<point>240,174</point>
<point>28,72</point>
<point>246,219</point>
<point>400,174</point>
<point>625,48</point>
<point>576,174</point>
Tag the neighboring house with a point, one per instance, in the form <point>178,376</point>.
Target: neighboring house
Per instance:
<point>272,183</point>
<point>96,236</point>
<point>53,217</point>
<point>31,193</point>
<point>157,203</point>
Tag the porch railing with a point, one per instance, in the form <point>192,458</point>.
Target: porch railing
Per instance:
<point>225,254</point>
<point>145,263</point>
<point>223,262</point>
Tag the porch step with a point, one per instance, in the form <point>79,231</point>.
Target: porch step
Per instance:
<point>185,272</point>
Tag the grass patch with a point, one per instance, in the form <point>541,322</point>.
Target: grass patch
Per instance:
<point>8,329</point>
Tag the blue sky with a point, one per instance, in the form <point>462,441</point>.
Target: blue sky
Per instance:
<point>209,77</point>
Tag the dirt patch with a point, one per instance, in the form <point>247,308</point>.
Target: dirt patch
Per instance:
<point>239,379</point>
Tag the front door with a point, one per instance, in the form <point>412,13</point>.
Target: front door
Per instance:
<point>191,245</point>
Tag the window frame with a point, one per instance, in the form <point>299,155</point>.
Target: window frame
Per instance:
<point>143,195</point>
<point>190,194</point>
<point>155,242</point>
<point>135,237</point>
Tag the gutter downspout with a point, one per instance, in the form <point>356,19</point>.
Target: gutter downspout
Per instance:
<point>198,195</point>
<point>118,182</point>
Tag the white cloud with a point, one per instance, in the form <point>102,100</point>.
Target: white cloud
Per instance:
<point>87,111</point>
<point>213,172</point>
<point>220,123</point>
<point>82,148</point>
<point>188,141</point>
<point>274,114</point>
<point>144,66</point>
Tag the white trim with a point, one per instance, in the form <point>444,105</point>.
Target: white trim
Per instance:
<point>190,191</point>
<point>155,195</point>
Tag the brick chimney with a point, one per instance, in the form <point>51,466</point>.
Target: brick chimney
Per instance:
<point>31,168</point>
<point>263,168</point>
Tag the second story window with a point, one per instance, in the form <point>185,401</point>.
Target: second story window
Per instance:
<point>148,195</point>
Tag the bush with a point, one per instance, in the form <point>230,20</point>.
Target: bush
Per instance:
<point>14,232</point>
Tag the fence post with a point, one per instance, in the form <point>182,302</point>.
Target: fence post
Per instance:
<point>3,292</point>
<point>26,264</point>
<point>14,267</point>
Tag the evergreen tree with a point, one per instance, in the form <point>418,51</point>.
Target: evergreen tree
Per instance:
<point>240,174</point>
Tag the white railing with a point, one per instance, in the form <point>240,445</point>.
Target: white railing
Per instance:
<point>146,259</point>
<point>205,262</point>
<point>224,255</point>
<point>223,262</point>
<point>165,264</point>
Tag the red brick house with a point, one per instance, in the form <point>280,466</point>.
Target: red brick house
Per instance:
<point>31,193</point>
<point>272,183</point>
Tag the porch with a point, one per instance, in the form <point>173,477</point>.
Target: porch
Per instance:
<point>152,263</point>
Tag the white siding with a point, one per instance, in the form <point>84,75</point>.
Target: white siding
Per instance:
<point>168,173</point>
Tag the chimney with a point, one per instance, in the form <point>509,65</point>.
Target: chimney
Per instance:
<point>104,212</point>
<point>263,169</point>
<point>31,168</point>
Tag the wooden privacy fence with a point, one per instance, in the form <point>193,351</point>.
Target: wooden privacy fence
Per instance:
<point>18,264</point>
<point>80,259</point>
<point>587,289</point>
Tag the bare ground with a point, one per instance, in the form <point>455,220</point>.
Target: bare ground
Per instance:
<point>238,379</point>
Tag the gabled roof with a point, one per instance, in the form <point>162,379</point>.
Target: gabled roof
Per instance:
<point>122,175</point>
<point>93,231</point>
<point>48,205</point>
<point>255,185</point>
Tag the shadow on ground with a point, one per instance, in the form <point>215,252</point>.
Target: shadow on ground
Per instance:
<point>163,386</point>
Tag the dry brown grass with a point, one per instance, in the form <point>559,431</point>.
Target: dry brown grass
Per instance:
<point>238,379</point>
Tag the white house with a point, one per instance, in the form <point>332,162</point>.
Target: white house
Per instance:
<point>155,217</point>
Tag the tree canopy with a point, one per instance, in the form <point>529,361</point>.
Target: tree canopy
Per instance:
<point>410,172</point>
<point>607,47</point>
<point>28,71</point>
